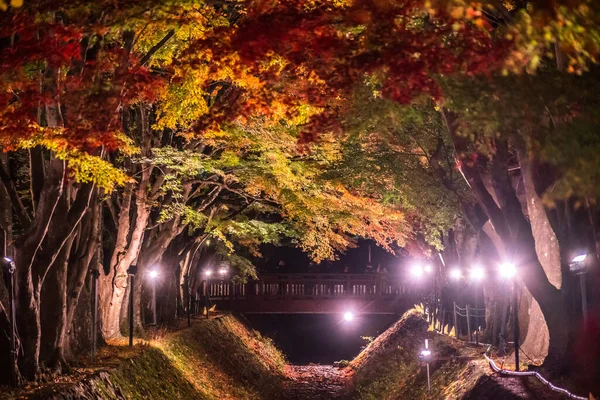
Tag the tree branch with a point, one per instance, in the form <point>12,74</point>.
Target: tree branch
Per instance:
<point>157,47</point>
<point>15,200</point>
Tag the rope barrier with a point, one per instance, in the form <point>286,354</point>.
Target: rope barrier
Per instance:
<point>532,373</point>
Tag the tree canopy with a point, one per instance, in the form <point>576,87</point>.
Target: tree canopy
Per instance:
<point>132,132</point>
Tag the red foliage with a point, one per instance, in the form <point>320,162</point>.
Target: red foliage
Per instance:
<point>42,67</point>
<point>406,47</point>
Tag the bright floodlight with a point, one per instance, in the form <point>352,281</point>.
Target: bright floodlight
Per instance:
<point>579,258</point>
<point>153,274</point>
<point>348,316</point>
<point>508,270</point>
<point>416,271</point>
<point>428,269</point>
<point>208,272</point>
<point>222,270</point>
<point>477,273</point>
<point>455,274</point>
<point>425,353</point>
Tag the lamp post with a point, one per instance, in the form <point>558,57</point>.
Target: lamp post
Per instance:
<point>477,274</point>
<point>153,275</point>
<point>186,283</point>
<point>455,274</point>
<point>430,271</point>
<point>207,275</point>
<point>578,267</point>
<point>425,356</point>
<point>8,268</point>
<point>509,273</point>
<point>131,271</point>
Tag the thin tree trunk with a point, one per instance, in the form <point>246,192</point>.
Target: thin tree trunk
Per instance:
<point>54,310</point>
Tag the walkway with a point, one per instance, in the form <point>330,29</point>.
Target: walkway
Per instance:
<point>316,382</point>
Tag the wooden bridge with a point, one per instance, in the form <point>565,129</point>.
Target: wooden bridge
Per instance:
<point>314,294</point>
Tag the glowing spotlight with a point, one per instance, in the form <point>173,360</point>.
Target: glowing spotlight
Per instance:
<point>153,274</point>
<point>416,271</point>
<point>477,273</point>
<point>222,271</point>
<point>579,258</point>
<point>508,270</point>
<point>455,274</point>
<point>428,269</point>
<point>207,272</point>
<point>348,316</point>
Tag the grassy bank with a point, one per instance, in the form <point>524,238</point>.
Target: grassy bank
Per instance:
<point>214,359</point>
<point>389,368</point>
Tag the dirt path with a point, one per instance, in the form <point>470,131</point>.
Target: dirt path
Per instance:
<point>316,382</point>
<point>496,387</point>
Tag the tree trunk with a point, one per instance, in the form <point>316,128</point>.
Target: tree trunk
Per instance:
<point>506,215</point>
<point>29,284</point>
<point>54,311</point>
<point>128,245</point>
<point>85,255</point>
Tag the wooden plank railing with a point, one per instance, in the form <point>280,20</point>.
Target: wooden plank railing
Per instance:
<point>309,286</point>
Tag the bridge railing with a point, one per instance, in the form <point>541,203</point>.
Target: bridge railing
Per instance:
<point>310,286</point>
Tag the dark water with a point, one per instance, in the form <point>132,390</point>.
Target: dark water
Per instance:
<point>319,338</point>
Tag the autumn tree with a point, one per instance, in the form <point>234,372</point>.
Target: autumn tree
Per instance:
<point>324,50</point>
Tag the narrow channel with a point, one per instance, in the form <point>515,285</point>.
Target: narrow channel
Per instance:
<point>319,338</point>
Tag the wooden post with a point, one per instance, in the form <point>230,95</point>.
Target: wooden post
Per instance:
<point>347,286</point>
<point>469,323</point>
<point>456,334</point>
<point>494,325</point>
<point>502,344</point>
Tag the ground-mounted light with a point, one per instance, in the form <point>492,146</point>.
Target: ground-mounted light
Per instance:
<point>207,272</point>
<point>455,274</point>
<point>578,264</point>
<point>508,270</point>
<point>223,271</point>
<point>153,274</point>
<point>348,316</point>
<point>425,354</point>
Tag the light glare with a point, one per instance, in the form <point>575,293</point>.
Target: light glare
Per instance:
<point>223,271</point>
<point>455,273</point>
<point>477,273</point>
<point>508,270</point>
<point>416,271</point>
<point>153,274</point>
<point>208,272</point>
<point>579,258</point>
<point>428,269</point>
<point>348,316</point>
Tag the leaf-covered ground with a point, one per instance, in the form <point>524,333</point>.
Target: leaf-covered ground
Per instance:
<point>215,359</point>
<point>389,369</point>
<point>317,382</point>
<point>222,358</point>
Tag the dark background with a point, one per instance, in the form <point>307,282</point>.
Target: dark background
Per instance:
<point>319,338</point>
<point>283,259</point>
<point>323,338</point>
